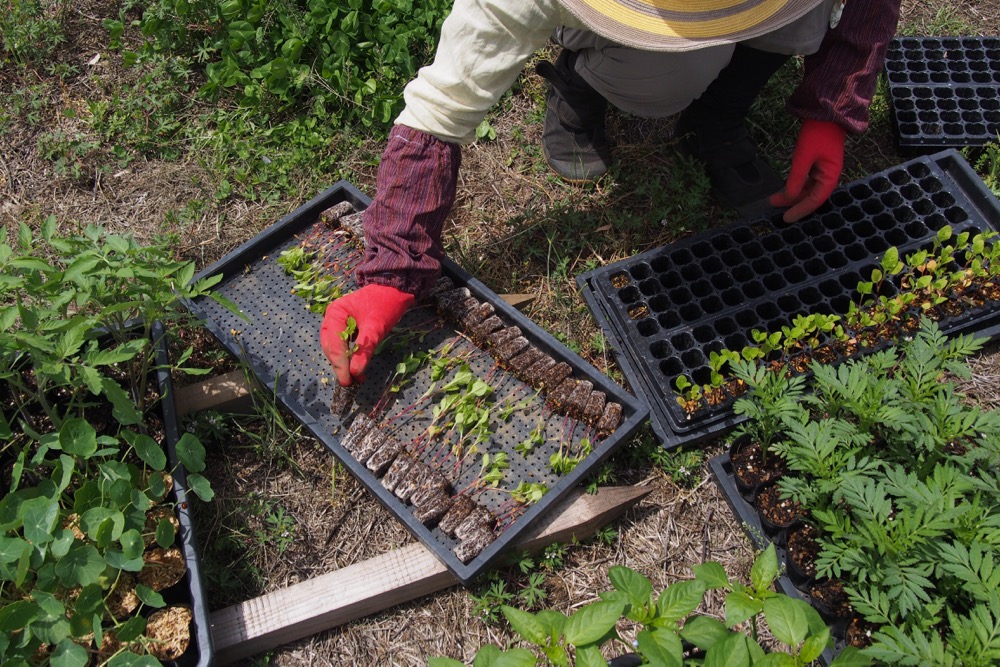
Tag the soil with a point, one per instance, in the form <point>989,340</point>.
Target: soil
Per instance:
<point>803,549</point>
<point>780,512</point>
<point>752,469</point>
<point>831,599</point>
<point>859,632</point>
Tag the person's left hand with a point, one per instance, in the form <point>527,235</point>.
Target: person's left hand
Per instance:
<point>817,163</point>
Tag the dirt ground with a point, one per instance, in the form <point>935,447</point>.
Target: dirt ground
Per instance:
<point>308,516</point>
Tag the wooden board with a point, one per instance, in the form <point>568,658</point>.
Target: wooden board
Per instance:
<point>227,393</point>
<point>385,581</point>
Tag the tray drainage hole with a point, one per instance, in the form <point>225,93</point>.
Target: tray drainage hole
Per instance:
<point>783,259</point>
<point>722,281</point>
<point>704,334</point>
<point>840,304</point>
<point>816,267</point>
<point>767,311</point>
<point>864,229</point>
<point>725,326</point>
<point>660,264</point>
<point>891,199</point>
<point>844,236</point>
<point>659,303</point>
<point>638,311</point>
<point>753,289</point>
<point>701,289</point>
<point>956,215</point>
<point>876,244</point>
<point>701,249</point>
<point>682,342</point>
<point>792,235</point>
<point>832,221</point>
<point>774,282</point>
<point>680,295</point>
<point>671,367</point>
<point>824,243</point>
<point>753,250</point>
<point>794,274</point>
<point>620,280</point>
<point>732,297</point>
<point>747,319</point>
<point>851,279</point>
<point>721,242</point>
<point>915,230</point>
<point>691,312</point>
<point>899,177</point>
<point>743,235</point>
<point>925,207</point>
<point>840,199</point>
<point>712,304</point>
<point>742,273</point>
<point>872,206</point>
<point>835,259</point>
<point>919,170</point>
<point>885,222</point>
<point>855,252</point>
<point>762,266</point>
<point>810,296</point>
<point>830,288</point>
<point>861,191</point>
<point>712,264</point>
<point>669,319</point>
<point>629,295</point>
<point>790,304</point>
<point>691,272</point>
<point>682,256</point>
<point>648,327</point>
<point>670,280</point>
<point>641,271</point>
<point>702,375</point>
<point>736,342</point>
<point>880,184</point>
<point>732,257</point>
<point>650,286</point>
<point>804,251</point>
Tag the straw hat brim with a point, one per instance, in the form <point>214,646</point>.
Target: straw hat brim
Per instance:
<point>683,25</point>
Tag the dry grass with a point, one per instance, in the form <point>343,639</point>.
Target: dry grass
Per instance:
<point>520,230</point>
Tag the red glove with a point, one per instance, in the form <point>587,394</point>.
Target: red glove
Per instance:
<point>816,165</point>
<point>375,309</point>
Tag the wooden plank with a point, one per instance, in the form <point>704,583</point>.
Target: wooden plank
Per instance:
<point>519,301</point>
<point>227,393</point>
<point>385,581</point>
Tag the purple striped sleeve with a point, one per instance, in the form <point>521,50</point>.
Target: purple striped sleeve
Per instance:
<point>840,78</point>
<point>416,184</point>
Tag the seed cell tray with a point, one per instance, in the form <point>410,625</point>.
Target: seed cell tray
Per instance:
<point>722,469</point>
<point>666,310</point>
<point>945,91</point>
<point>279,340</point>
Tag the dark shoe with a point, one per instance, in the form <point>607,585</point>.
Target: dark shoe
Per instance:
<point>574,141</point>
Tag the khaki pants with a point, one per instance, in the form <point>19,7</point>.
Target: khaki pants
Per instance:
<point>655,84</point>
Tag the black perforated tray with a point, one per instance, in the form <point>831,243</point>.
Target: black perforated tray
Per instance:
<point>281,345</point>
<point>722,469</point>
<point>667,309</point>
<point>945,91</point>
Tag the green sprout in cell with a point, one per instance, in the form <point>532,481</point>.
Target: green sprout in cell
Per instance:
<point>527,493</point>
<point>535,438</point>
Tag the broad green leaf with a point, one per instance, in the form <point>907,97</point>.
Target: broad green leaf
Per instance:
<point>444,662</point>
<point>48,228</point>
<point>730,652</point>
<point>90,601</point>
<point>78,437</point>
<point>592,622</point>
<point>124,352</point>
<point>132,543</point>
<point>776,660</point>
<point>149,597</point>
<point>96,519</point>
<point>116,559</point>
<point>81,566</point>
<point>62,473</point>
<point>201,487</point>
<point>17,615</point>
<point>486,656</point>
<point>814,645</point>
<point>552,621</point>
<point>128,659</point>
<point>786,619</point>
<point>680,599</point>
<point>704,631</point>
<point>890,260</point>
<point>525,624</point>
<point>764,570</point>
<point>131,629</point>
<point>69,654</point>
<point>636,586</point>
<point>740,607</point>
<point>77,271</point>
<point>851,657</point>
<point>712,574</point>
<point>122,406</point>
<point>146,449</point>
<point>165,534</point>
<point>590,656</point>
<point>40,517</point>
<point>62,540</point>
<point>661,647</point>
<point>191,452</point>
<point>516,657</point>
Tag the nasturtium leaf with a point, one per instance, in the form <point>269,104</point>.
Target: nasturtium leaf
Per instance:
<point>191,452</point>
<point>661,647</point>
<point>39,516</point>
<point>165,534</point>
<point>712,574</point>
<point>62,472</point>
<point>51,625</point>
<point>786,620</point>
<point>17,615</point>
<point>11,549</point>
<point>486,656</point>
<point>132,543</point>
<point>69,654</point>
<point>116,559</point>
<point>131,629</point>
<point>80,625</point>
<point>764,570</point>
<point>78,437</point>
<point>590,656</point>
<point>89,601</point>
<point>592,622</point>
<point>704,631</point>
<point>635,585</point>
<point>140,500</point>
<point>81,566</point>
<point>147,449</point>
<point>149,597</point>
<point>92,521</point>
<point>525,624</point>
<point>201,487</point>
<point>680,599</point>
<point>129,659</point>
<point>740,607</point>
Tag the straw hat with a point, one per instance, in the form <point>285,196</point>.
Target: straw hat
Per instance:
<point>682,25</point>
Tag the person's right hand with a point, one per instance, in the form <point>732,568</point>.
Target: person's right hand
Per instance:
<point>376,309</point>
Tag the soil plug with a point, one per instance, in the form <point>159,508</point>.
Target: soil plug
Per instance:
<point>331,216</point>
<point>343,400</point>
<point>478,517</point>
<point>555,376</point>
<point>576,402</point>
<point>460,508</point>
<point>474,543</point>
<point>359,428</point>
<point>595,407</point>
<point>609,420</point>
<point>433,506</point>
<point>380,460</point>
<point>397,471</point>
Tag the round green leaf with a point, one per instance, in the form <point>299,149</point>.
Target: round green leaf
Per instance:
<point>132,543</point>
<point>201,487</point>
<point>592,623</point>
<point>131,629</point>
<point>712,574</point>
<point>191,452</point>
<point>590,656</point>
<point>147,449</point>
<point>17,615</point>
<point>165,533</point>
<point>69,654</point>
<point>40,517</point>
<point>149,597</point>
<point>730,652</point>
<point>127,659</point>
<point>82,565</point>
<point>486,656</point>
<point>78,437</point>
<point>516,657</point>
<point>740,607</point>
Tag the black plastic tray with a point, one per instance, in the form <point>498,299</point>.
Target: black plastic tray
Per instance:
<point>281,344</point>
<point>667,309</point>
<point>200,652</point>
<point>722,469</point>
<point>945,91</point>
